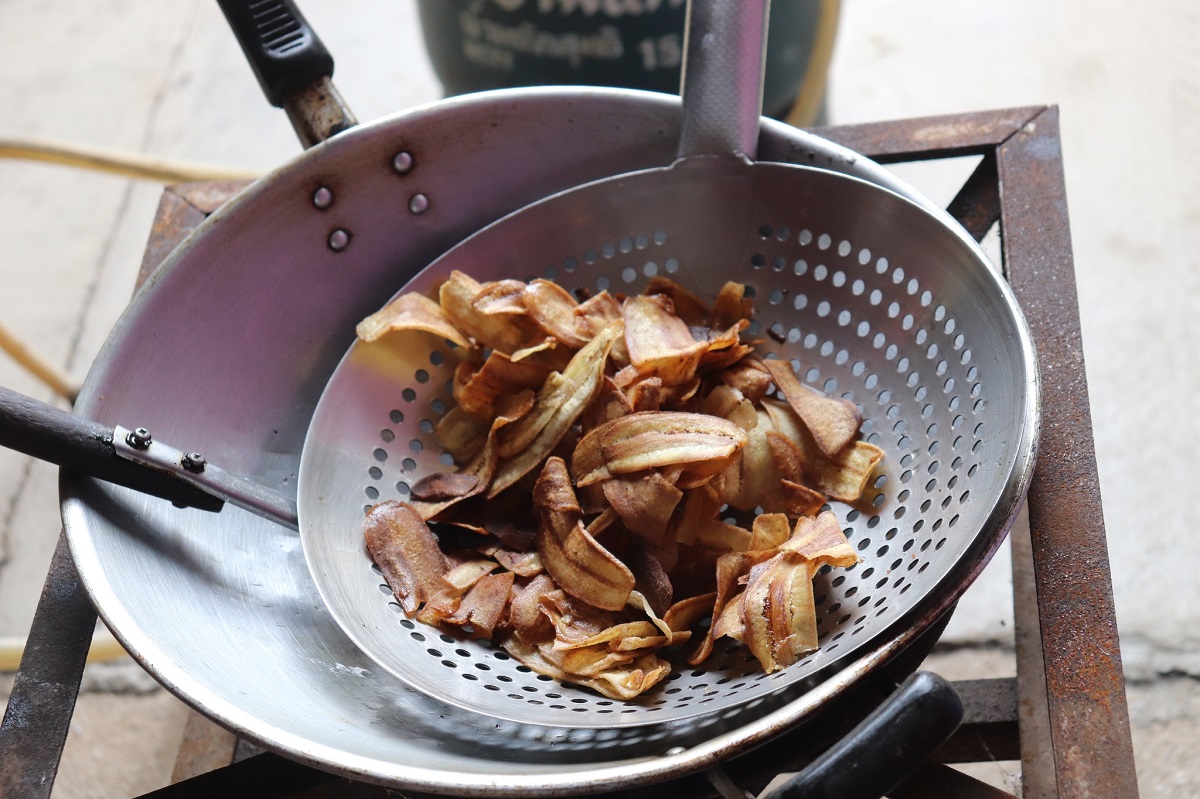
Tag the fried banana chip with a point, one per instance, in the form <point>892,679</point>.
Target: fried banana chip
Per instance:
<point>832,421</point>
<point>660,344</point>
<point>820,540</point>
<point>653,439</point>
<point>779,611</point>
<point>476,388</point>
<point>645,502</point>
<point>410,311</point>
<point>406,551</point>
<point>507,332</point>
<point>731,306</point>
<point>484,605</point>
<point>558,405</point>
<point>844,478</point>
<point>576,561</point>
<point>554,310</point>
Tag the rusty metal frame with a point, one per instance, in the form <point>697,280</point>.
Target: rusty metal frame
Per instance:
<point>1065,714</point>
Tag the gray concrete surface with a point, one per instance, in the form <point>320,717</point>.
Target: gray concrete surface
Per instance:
<point>168,79</point>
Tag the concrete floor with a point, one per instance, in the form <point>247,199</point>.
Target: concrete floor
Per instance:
<point>168,79</point>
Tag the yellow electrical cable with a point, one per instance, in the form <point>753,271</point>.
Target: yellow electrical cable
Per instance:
<point>134,165</point>
<point>164,170</point>
<point>43,370</point>
<point>104,649</point>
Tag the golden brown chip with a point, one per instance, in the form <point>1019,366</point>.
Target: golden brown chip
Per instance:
<point>553,308</point>
<point>525,615</point>
<point>576,561</point>
<point>821,541</point>
<point>410,311</point>
<point>645,395</point>
<point>844,478</point>
<point>462,434</point>
<point>731,306</point>
<point>770,531</point>
<point>644,502</point>
<point>444,485</point>
<point>731,568</point>
<point>522,564</point>
<point>406,552</point>
<point>623,682</point>
<point>653,439</point>
<point>684,304</point>
<point>779,611</point>
<point>660,344</point>
<point>507,332</point>
<point>556,408</point>
<point>500,297</point>
<point>484,605</point>
<point>476,388</point>
<point>749,376</point>
<point>832,421</point>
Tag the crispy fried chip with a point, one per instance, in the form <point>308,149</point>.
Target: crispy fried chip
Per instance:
<point>779,611</point>
<point>644,502</point>
<point>476,388</point>
<point>555,410</point>
<point>554,310</point>
<point>832,421</point>
<point>660,344</point>
<point>576,561</point>
<point>484,605</point>
<point>507,332</point>
<point>691,494</point>
<point>820,540</point>
<point>406,551</point>
<point>653,439</point>
<point>410,311</point>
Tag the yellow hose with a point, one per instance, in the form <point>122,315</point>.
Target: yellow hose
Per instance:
<point>104,648</point>
<point>134,165</point>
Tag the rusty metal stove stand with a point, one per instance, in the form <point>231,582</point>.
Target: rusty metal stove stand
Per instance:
<point>1064,715</point>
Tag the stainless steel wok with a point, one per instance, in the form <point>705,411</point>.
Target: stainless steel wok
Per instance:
<point>222,608</point>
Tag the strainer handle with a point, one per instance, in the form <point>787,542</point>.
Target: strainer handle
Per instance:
<point>885,747</point>
<point>724,63</point>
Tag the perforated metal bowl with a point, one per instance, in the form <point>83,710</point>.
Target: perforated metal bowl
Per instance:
<point>869,296</point>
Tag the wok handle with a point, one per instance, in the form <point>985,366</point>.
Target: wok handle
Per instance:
<point>282,49</point>
<point>291,64</point>
<point>885,747</point>
<point>56,436</point>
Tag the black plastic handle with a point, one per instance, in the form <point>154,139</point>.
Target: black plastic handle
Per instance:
<point>73,442</point>
<point>282,49</point>
<point>885,747</point>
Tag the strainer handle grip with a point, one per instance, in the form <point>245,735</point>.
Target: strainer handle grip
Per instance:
<point>885,747</point>
<point>723,70</point>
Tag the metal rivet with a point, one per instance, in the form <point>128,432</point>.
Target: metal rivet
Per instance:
<point>418,204</point>
<point>322,198</point>
<point>339,240</point>
<point>193,462</point>
<point>139,438</point>
<point>402,163</point>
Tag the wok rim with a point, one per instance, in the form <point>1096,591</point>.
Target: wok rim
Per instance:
<point>196,693</point>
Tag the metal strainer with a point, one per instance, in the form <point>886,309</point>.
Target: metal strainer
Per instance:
<point>868,296</point>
